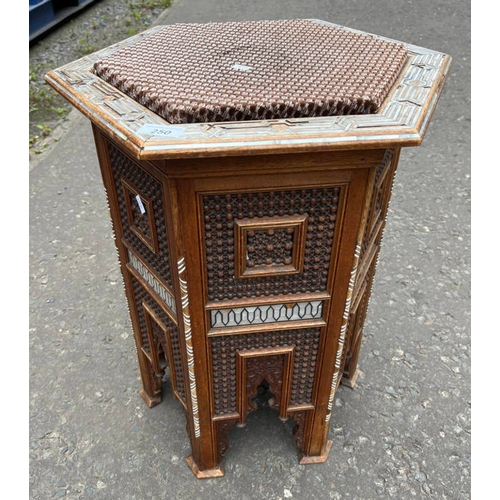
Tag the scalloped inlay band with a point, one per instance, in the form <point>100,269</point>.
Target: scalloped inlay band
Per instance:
<point>160,290</point>
<point>273,313</point>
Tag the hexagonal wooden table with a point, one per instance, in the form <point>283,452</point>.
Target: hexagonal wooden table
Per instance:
<point>248,168</point>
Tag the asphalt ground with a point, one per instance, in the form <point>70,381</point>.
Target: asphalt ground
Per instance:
<point>404,432</point>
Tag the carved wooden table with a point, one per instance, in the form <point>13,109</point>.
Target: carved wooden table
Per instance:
<point>248,181</point>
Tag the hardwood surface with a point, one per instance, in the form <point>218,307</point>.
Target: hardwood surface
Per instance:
<point>335,203</point>
<point>248,250</point>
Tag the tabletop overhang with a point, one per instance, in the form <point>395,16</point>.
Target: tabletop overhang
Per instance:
<point>400,121</point>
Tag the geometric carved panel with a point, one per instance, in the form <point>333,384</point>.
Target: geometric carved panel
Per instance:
<point>155,324</point>
<point>228,274</point>
<point>270,246</point>
<point>225,349</point>
<point>144,233</point>
<point>140,215</point>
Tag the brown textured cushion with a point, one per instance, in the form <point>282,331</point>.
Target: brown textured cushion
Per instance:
<point>255,70</point>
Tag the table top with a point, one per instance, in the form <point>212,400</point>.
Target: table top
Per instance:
<point>257,87</point>
<point>255,70</point>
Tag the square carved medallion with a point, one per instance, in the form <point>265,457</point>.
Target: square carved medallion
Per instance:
<point>270,246</point>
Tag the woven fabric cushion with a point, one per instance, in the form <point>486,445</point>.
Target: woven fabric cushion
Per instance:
<point>255,70</point>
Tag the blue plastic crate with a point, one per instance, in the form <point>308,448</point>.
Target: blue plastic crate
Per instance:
<point>41,14</point>
<point>60,4</point>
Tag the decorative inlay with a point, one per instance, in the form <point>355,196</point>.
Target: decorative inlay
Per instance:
<point>270,245</point>
<point>159,289</point>
<point>189,345</point>
<point>264,280</point>
<point>254,315</point>
<point>343,329</point>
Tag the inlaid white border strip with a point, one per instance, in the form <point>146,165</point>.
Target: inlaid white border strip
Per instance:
<point>189,345</point>
<point>343,330</point>
<point>162,292</point>
<point>273,313</point>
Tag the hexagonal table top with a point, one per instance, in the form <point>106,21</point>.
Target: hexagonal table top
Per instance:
<point>263,87</point>
<point>255,70</point>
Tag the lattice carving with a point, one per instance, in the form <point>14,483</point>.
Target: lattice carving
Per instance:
<point>223,428</point>
<point>272,247</point>
<point>298,430</point>
<point>259,68</point>
<point>384,175</point>
<point>142,296</point>
<point>401,120</point>
<point>220,213</point>
<point>224,351</point>
<point>151,189</point>
<point>269,368</point>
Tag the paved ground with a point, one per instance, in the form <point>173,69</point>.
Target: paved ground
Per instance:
<point>403,433</point>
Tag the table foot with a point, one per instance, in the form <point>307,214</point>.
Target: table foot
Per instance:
<point>319,459</point>
<point>151,402</point>
<point>204,474</point>
<point>351,382</point>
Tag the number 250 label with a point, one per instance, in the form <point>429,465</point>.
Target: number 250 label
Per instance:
<point>161,130</point>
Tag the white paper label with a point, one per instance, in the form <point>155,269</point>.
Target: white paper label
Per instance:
<point>242,67</point>
<point>141,206</point>
<point>161,130</point>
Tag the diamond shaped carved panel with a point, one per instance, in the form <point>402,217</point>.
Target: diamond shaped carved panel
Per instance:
<point>140,215</point>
